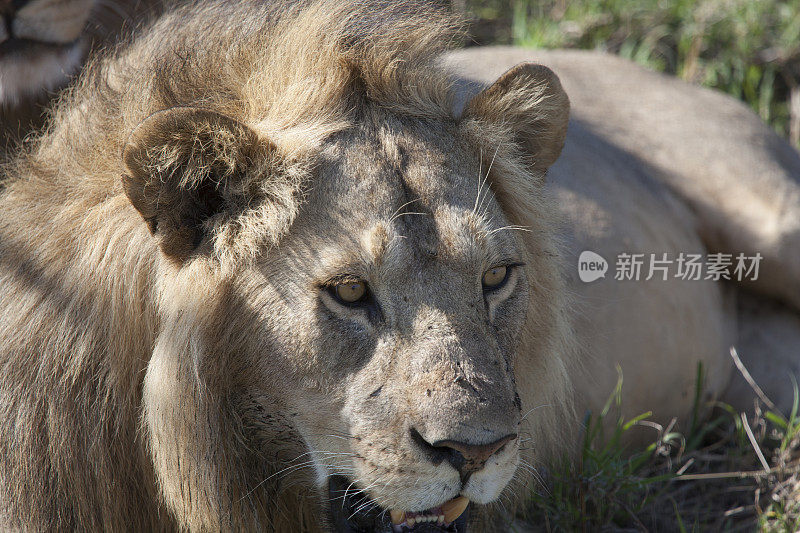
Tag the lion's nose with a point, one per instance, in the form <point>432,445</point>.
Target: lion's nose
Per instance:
<point>466,458</point>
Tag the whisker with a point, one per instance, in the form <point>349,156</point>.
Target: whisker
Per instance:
<point>535,473</point>
<point>534,409</point>
<point>344,497</point>
<point>368,505</point>
<point>479,201</point>
<point>480,178</point>
<point>291,468</point>
<point>397,212</point>
<point>509,227</point>
<point>408,213</point>
<point>288,468</point>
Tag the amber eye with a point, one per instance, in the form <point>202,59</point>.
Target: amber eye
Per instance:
<point>350,292</point>
<point>494,277</point>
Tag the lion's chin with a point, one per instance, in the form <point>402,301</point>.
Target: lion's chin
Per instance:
<point>350,513</point>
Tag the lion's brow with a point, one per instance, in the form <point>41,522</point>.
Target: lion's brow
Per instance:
<point>383,243</point>
<point>376,241</point>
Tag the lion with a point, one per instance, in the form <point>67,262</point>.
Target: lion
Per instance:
<point>259,276</point>
<point>202,329</point>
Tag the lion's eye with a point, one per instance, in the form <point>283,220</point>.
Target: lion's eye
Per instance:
<point>351,291</point>
<point>495,277</point>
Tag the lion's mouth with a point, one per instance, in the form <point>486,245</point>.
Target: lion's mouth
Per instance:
<point>350,512</point>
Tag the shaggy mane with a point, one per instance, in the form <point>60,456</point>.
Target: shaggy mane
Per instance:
<point>294,71</point>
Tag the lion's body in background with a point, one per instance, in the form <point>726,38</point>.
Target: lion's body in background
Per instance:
<point>49,44</point>
<point>653,164</point>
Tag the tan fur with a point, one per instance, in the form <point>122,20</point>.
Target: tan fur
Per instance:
<point>652,165</point>
<point>169,355</point>
<point>49,50</point>
<point>48,43</point>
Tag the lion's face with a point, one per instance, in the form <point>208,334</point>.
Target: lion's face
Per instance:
<point>401,294</point>
<point>371,337</point>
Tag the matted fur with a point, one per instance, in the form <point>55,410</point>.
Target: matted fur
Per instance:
<point>137,388</point>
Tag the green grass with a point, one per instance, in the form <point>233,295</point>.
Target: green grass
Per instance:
<point>727,472</point>
<point>748,49</point>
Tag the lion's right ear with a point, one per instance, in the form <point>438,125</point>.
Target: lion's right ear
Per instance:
<point>528,103</point>
<point>185,166</point>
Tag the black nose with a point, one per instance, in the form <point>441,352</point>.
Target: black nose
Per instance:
<point>466,458</point>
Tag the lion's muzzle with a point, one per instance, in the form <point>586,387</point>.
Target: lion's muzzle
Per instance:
<point>464,457</point>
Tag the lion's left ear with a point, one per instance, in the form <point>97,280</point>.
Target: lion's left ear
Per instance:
<point>528,101</point>
<point>188,165</point>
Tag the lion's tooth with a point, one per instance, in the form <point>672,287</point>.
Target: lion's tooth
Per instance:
<point>397,516</point>
<point>453,509</point>
<point>410,522</point>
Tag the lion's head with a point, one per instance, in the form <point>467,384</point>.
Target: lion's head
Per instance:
<point>354,296</point>
<point>383,332</point>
